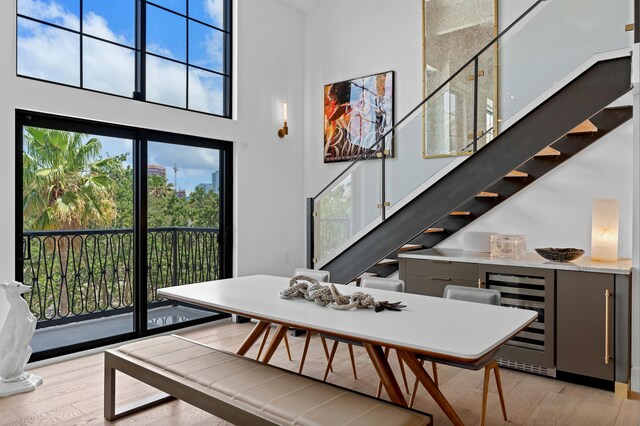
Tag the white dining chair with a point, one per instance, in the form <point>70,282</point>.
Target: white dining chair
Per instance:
<point>475,295</point>
<point>318,274</point>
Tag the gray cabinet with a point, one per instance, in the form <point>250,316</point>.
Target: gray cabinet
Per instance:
<point>583,317</point>
<point>585,324</point>
<point>430,277</point>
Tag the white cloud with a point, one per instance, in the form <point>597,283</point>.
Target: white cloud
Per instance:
<point>166,82</point>
<point>156,48</point>
<point>97,26</point>
<point>49,12</point>
<point>36,44</point>
<point>195,164</point>
<point>205,91</point>
<point>193,158</point>
<point>52,54</point>
<point>215,49</point>
<point>215,9</point>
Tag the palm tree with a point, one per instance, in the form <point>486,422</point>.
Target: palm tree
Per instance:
<point>66,182</point>
<point>66,186</point>
<point>158,186</point>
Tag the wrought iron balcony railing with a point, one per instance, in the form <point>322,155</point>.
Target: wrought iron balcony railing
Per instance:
<point>89,273</point>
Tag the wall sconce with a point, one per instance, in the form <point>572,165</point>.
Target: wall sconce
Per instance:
<point>285,129</point>
<point>604,230</point>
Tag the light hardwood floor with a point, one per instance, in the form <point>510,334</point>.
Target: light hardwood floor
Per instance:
<point>72,391</point>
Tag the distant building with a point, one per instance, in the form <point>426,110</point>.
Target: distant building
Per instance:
<point>215,181</point>
<point>213,186</point>
<point>206,187</point>
<point>156,170</point>
<point>182,194</point>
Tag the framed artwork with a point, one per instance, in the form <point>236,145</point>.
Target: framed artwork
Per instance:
<point>357,113</point>
<point>453,32</point>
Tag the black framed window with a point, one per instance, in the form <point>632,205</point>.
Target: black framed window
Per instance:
<point>129,211</point>
<point>170,52</point>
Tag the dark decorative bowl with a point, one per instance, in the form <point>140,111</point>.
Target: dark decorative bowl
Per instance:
<point>560,254</point>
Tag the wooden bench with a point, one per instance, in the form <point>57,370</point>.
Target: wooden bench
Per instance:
<point>240,390</point>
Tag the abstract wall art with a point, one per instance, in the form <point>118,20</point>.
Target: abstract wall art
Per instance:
<point>357,114</point>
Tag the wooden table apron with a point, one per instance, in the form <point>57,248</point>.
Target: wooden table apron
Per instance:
<point>374,348</point>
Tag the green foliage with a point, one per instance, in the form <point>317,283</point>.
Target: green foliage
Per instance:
<point>122,175</point>
<point>65,181</point>
<point>203,208</point>
<point>69,185</point>
<point>336,203</point>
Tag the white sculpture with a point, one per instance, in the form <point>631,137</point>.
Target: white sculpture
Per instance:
<point>17,325</point>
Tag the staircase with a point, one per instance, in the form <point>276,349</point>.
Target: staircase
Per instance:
<point>537,166</point>
<point>566,122</point>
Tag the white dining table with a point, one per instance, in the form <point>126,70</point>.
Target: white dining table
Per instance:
<point>452,331</point>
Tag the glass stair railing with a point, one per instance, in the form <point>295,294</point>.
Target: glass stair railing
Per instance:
<point>539,53</point>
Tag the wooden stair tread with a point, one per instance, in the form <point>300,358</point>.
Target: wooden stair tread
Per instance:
<point>387,262</point>
<point>585,127</point>
<point>548,152</point>
<point>433,230</point>
<point>485,194</point>
<point>516,173</point>
<point>460,213</point>
<point>409,247</point>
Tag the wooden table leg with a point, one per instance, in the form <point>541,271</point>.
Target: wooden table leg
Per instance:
<point>255,334</point>
<point>307,340</point>
<point>385,373</point>
<point>424,378</point>
<point>264,342</point>
<point>326,349</point>
<point>330,360</point>
<point>281,330</point>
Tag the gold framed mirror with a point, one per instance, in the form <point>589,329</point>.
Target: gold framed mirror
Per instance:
<point>453,31</point>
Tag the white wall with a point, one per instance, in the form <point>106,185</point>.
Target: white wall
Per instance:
<point>365,37</point>
<point>348,39</point>
<point>269,206</point>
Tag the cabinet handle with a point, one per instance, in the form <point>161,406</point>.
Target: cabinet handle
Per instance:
<point>440,279</point>
<point>607,293</point>
<point>441,261</point>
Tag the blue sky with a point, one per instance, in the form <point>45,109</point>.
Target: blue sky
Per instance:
<point>195,165</point>
<point>109,68</point>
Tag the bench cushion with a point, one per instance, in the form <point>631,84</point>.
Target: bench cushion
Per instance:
<point>279,395</point>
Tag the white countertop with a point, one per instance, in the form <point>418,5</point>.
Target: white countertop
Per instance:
<point>430,325</point>
<point>532,260</point>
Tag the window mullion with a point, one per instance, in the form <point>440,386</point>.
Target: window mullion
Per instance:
<point>81,43</point>
<point>186,75</point>
<point>227,66</point>
<point>141,48</point>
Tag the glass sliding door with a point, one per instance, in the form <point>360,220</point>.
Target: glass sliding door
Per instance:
<point>183,219</point>
<point>105,216</point>
<point>76,214</point>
